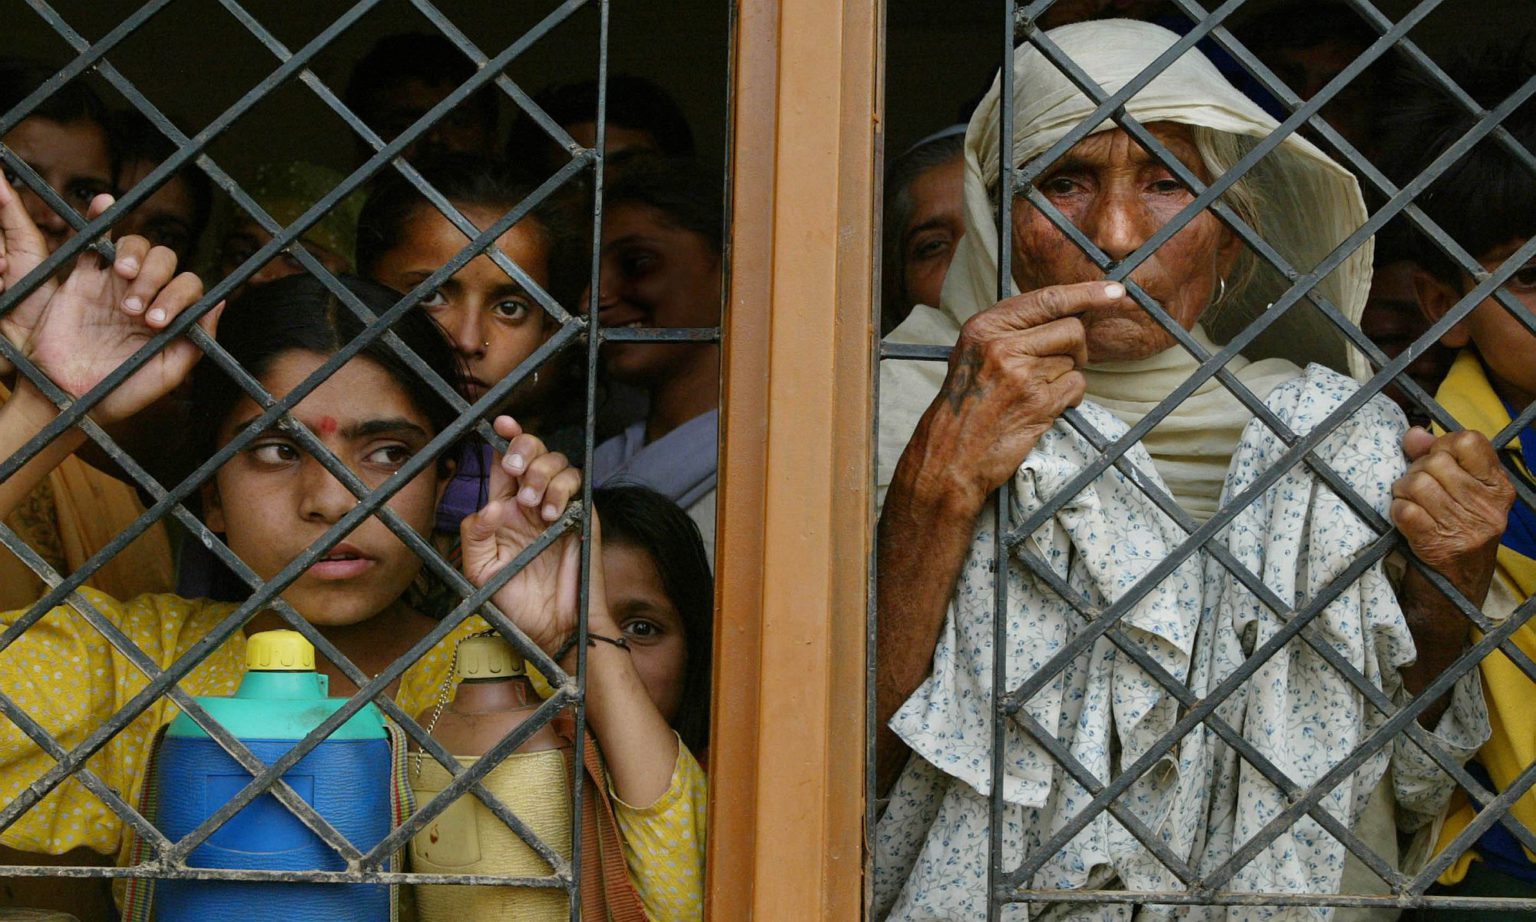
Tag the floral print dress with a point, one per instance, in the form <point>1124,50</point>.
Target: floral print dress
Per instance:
<point>1196,799</point>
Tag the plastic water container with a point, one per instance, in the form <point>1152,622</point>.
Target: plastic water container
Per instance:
<point>346,779</point>
<point>494,697</point>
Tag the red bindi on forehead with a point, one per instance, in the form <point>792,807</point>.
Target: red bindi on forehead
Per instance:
<point>325,425</point>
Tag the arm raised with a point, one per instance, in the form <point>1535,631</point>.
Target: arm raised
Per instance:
<point>1013,372</point>
<point>92,323</point>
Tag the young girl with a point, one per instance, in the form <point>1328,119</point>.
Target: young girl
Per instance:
<point>661,595</point>
<point>493,322</point>
<point>271,500</point>
<point>661,267</point>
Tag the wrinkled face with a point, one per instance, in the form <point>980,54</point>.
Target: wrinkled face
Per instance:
<point>654,274</point>
<point>1119,195</point>
<point>245,237</point>
<point>166,218</point>
<point>72,158</point>
<point>493,323</point>
<point>937,224</point>
<point>650,622</point>
<point>272,499</point>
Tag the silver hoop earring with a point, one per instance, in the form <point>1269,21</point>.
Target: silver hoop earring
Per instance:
<point>1221,291</point>
<point>535,376</point>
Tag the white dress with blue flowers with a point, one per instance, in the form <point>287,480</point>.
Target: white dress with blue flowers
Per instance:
<point>1196,625</point>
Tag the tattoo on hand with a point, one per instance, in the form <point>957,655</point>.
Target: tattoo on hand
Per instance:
<point>967,379</point>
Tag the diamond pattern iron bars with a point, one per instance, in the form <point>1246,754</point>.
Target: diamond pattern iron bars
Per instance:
<point>1013,884</point>
<point>167,859</point>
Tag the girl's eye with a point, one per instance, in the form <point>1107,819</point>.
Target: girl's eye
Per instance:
<point>235,257</point>
<point>1524,279</point>
<point>390,456</point>
<point>274,452</point>
<point>434,298</point>
<point>642,629</point>
<point>512,309</point>
<point>635,265</point>
<point>83,192</point>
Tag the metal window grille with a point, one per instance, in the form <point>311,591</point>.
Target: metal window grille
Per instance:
<point>165,858</point>
<point>1011,884</point>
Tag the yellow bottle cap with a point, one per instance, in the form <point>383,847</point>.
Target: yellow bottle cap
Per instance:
<point>488,658</point>
<point>279,651</point>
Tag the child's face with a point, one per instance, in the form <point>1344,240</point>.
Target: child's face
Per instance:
<point>492,322</point>
<point>72,158</point>
<point>272,499</point>
<point>651,623</point>
<point>1506,346</point>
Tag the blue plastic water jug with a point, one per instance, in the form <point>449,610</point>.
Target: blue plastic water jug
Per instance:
<point>346,779</point>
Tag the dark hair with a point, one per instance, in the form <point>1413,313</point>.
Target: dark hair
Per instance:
<point>895,301</point>
<point>1486,198</point>
<point>299,313</point>
<point>689,196</point>
<point>633,102</point>
<point>73,102</point>
<point>135,138</point>
<point>641,518</point>
<point>467,180</point>
<point>1302,24</point>
<point>428,57</point>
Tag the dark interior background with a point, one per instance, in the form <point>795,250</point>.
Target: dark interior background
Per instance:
<point>194,59</point>
<point>962,41</point>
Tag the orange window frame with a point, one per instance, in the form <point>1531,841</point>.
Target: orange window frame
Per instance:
<point>788,748</point>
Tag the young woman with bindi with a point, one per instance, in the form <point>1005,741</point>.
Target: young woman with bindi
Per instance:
<point>270,501</point>
<point>661,267</point>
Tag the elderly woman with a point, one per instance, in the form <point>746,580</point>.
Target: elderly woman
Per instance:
<point>949,436</point>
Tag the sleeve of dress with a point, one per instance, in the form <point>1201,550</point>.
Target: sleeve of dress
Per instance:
<point>664,844</point>
<point>1423,788</point>
<point>60,671</point>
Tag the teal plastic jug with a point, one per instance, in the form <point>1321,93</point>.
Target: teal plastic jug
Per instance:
<point>346,779</point>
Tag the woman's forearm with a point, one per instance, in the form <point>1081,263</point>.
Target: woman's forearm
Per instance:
<point>1439,632</point>
<point>24,416</point>
<point>924,533</point>
<point>639,748</point>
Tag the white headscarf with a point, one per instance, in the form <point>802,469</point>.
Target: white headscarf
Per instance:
<point>1309,204</point>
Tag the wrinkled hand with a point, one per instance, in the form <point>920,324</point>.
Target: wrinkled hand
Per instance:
<point>1452,506</point>
<point>530,487</point>
<point>101,315</point>
<point>1014,370</point>
<point>22,249</point>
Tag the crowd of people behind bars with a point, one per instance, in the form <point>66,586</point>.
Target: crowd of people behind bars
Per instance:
<point>1208,629</point>
<point>475,327</point>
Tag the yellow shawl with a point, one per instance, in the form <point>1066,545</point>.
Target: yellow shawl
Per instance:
<point>88,510</point>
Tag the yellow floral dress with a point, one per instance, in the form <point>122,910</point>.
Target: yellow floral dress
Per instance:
<point>70,679</point>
